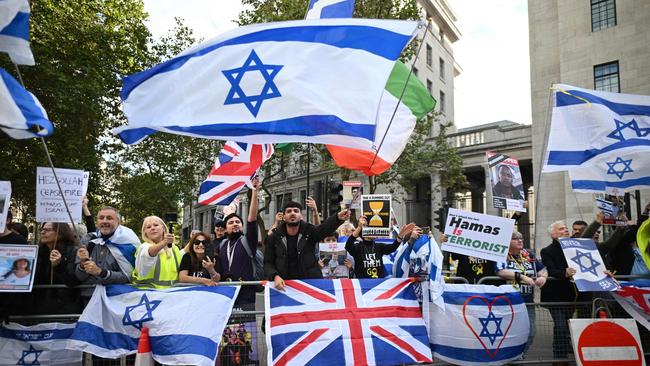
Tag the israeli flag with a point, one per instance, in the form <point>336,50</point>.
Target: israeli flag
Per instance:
<point>21,114</point>
<point>14,31</point>
<point>407,254</point>
<point>583,256</point>
<point>322,9</point>
<point>185,324</point>
<point>614,173</point>
<point>299,81</point>
<point>591,127</point>
<point>41,344</point>
<point>122,245</point>
<point>436,279</point>
<point>479,325</point>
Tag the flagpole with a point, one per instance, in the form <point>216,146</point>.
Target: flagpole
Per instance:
<point>49,159</point>
<point>392,117</point>
<point>308,172</point>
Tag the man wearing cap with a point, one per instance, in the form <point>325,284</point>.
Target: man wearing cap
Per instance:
<point>290,251</point>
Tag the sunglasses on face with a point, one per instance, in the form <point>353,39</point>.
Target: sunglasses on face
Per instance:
<point>200,242</point>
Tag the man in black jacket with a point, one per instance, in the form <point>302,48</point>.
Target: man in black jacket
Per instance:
<point>560,289</point>
<point>290,251</point>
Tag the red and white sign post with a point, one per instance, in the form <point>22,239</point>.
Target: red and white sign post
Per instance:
<point>600,342</point>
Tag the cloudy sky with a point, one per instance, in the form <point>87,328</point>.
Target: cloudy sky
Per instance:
<point>493,51</point>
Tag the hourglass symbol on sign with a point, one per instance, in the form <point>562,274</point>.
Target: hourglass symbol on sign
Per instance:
<point>375,207</point>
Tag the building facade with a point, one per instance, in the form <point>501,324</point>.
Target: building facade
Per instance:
<point>593,44</point>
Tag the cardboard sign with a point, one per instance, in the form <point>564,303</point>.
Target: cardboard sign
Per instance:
<point>582,255</point>
<point>17,267</point>
<point>49,204</point>
<point>5,200</point>
<point>478,235</point>
<point>352,191</point>
<point>507,185</point>
<point>606,342</point>
<point>333,256</point>
<point>376,209</point>
<point>614,211</point>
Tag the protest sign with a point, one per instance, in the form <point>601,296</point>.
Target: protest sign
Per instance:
<point>507,185</point>
<point>613,211</point>
<point>582,255</point>
<point>17,267</point>
<point>352,191</point>
<point>333,256</point>
<point>478,235</point>
<point>49,204</point>
<point>85,183</point>
<point>376,209</point>
<point>5,199</point>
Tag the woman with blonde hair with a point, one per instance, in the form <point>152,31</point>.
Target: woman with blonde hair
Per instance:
<point>157,259</point>
<point>197,265</point>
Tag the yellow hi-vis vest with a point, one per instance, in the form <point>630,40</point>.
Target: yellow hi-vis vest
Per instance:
<point>642,237</point>
<point>163,274</point>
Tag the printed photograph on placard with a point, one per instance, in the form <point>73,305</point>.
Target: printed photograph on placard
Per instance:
<point>17,264</point>
<point>332,260</point>
<point>613,209</point>
<point>376,209</point>
<point>507,184</point>
<point>5,200</point>
<point>352,191</point>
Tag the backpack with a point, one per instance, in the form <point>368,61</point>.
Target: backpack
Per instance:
<point>257,259</point>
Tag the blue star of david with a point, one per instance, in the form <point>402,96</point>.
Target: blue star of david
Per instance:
<point>633,125</point>
<point>253,102</point>
<point>619,173</point>
<point>485,332</point>
<point>149,307</point>
<point>30,351</point>
<point>592,263</point>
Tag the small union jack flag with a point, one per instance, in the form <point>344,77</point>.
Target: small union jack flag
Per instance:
<point>235,166</point>
<point>345,322</point>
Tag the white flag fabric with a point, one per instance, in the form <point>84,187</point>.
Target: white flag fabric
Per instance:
<point>588,127</point>
<point>14,31</point>
<point>299,81</point>
<point>41,344</point>
<point>21,114</point>
<point>185,324</point>
<point>479,325</point>
<point>330,9</point>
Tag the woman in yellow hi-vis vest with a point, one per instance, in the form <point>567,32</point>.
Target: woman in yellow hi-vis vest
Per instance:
<point>157,259</point>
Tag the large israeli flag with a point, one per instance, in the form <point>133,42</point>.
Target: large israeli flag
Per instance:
<point>614,173</point>
<point>14,31</point>
<point>21,114</point>
<point>479,325</point>
<point>185,324</point>
<point>591,127</point>
<point>299,81</point>
<point>41,344</point>
<point>322,9</point>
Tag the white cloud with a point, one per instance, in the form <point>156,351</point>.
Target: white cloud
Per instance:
<point>493,53</point>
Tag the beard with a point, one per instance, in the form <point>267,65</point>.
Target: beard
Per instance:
<point>293,224</point>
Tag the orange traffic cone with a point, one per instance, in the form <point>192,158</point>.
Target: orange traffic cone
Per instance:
<point>143,357</point>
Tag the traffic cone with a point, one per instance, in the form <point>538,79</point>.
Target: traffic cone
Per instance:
<point>143,357</point>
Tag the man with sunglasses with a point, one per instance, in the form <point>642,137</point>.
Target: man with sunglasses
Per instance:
<point>290,251</point>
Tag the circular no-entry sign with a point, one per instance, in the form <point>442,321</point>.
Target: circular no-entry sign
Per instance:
<point>606,343</point>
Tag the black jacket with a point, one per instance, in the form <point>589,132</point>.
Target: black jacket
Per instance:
<point>275,249</point>
<point>560,288</point>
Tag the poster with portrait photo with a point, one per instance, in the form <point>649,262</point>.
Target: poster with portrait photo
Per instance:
<point>352,191</point>
<point>5,198</point>
<point>17,267</point>
<point>376,209</point>
<point>507,185</point>
<point>333,257</point>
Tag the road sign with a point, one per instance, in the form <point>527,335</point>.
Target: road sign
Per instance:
<point>600,342</point>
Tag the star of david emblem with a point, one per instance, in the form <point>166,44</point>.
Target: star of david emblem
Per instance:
<point>619,173</point>
<point>485,332</point>
<point>25,359</point>
<point>137,315</point>
<point>591,267</point>
<point>235,76</point>
<point>633,125</point>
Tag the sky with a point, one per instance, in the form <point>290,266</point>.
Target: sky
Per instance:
<point>493,51</point>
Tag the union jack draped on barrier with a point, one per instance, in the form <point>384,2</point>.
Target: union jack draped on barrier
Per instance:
<point>345,322</point>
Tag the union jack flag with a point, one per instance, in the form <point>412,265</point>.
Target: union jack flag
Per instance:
<point>235,167</point>
<point>345,322</point>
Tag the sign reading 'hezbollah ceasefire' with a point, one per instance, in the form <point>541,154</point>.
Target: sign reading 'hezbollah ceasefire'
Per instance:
<point>376,209</point>
<point>478,235</point>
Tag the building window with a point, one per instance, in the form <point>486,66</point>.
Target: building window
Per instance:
<point>430,86</point>
<point>603,14</point>
<point>429,56</point>
<point>606,77</point>
<point>415,71</point>
<point>441,67</point>
<point>441,102</point>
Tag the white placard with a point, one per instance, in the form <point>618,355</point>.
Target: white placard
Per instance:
<point>85,183</point>
<point>478,235</point>
<point>17,267</point>
<point>49,205</point>
<point>5,200</point>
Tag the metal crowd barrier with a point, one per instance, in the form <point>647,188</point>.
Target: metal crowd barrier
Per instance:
<point>250,341</point>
